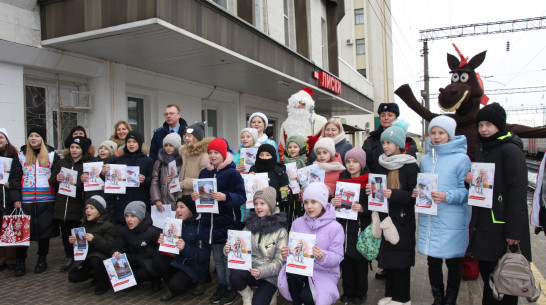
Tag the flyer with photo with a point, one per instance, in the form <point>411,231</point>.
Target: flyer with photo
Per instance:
<point>480,193</point>
<point>119,272</point>
<point>249,156</point>
<point>114,179</point>
<point>316,175</point>
<point>132,176</point>
<point>240,254</point>
<point>303,174</point>
<point>253,183</point>
<point>300,259</point>
<point>376,200</point>
<point>205,203</point>
<point>292,172</point>
<point>172,232</point>
<point>81,246</point>
<point>158,218</point>
<point>349,193</point>
<point>426,184</point>
<point>94,182</point>
<point>174,186</point>
<point>5,168</point>
<point>68,185</point>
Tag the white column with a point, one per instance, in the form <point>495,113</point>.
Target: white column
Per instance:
<point>12,103</point>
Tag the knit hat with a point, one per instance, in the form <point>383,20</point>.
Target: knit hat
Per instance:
<point>83,142</point>
<point>253,132</point>
<point>5,132</point>
<point>358,154</point>
<point>269,195</point>
<point>493,113</point>
<point>326,143</point>
<point>263,116</point>
<point>197,130</point>
<point>137,208</point>
<point>110,145</point>
<point>137,136</point>
<point>189,203</point>
<point>98,202</point>
<point>396,133</point>
<point>39,130</point>
<point>317,191</point>
<point>446,123</point>
<point>297,139</point>
<point>174,139</point>
<point>267,148</point>
<point>391,107</point>
<point>219,145</point>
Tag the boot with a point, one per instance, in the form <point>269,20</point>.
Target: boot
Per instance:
<point>41,264</point>
<point>200,288</point>
<point>247,295</point>
<point>167,296</point>
<point>230,296</point>
<point>451,296</point>
<point>20,269</point>
<point>67,264</point>
<point>438,294</point>
<point>218,294</point>
<point>156,285</point>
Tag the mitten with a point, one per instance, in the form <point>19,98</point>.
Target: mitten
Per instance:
<point>376,222</point>
<point>389,231</point>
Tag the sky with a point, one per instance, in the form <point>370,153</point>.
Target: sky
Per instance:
<point>523,66</point>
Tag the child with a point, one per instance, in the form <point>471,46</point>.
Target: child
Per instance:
<point>333,129</point>
<point>259,121</point>
<point>194,155</point>
<point>397,251</point>
<point>295,151</point>
<point>107,150</point>
<point>319,219</point>
<point>507,223</point>
<point>445,236</point>
<point>354,266</point>
<point>329,161</point>
<point>186,269</point>
<point>249,139</point>
<point>100,234</point>
<point>159,190</point>
<point>138,239</point>
<point>69,210</point>
<point>230,195</point>
<point>269,235</point>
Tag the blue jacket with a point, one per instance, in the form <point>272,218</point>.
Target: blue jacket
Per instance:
<point>195,257</point>
<point>446,234</point>
<point>161,133</point>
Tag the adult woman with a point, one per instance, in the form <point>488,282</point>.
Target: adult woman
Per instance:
<point>121,129</point>
<point>333,129</point>
<point>77,131</point>
<point>194,155</point>
<point>37,160</point>
<point>259,122</point>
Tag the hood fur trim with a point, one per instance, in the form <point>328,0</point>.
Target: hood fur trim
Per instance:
<point>227,161</point>
<point>195,149</point>
<point>267,224</point>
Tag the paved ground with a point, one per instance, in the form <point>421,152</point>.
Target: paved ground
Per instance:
<point>52,287</point>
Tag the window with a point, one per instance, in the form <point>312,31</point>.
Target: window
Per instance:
<point>361,46</point>
<point>245,10</point>
<point>222,3</point>
<point>135,113</point>
<point>362,72</point>
<point>68,121</point>
<point>359,16</point>
<point>324,32</point>
<point>35,107</point>
<point>211,126</point>
<point>286,24</point>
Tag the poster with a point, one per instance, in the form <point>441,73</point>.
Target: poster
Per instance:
<point>81,246</point>
<point>119,272</point>
<point>174,186</point>
<point>5,168</point>
<point>132,176</point>
<point>205,203</point>
<point>292,172</point>
<point>316,175</point>
<point>68,185</point>
<point>172,232</point>
<point>426,184</point>
<point>114,179</point>
<point>158,218</point>
<point>300,259</point>
<point>303,174</point>
<point>240,254</point>
<point>376,200</point>
<point>253,183</point>
<point>94,182</point>
<point>349,193</point>
<point>249,157</point>
<point>480,193</point>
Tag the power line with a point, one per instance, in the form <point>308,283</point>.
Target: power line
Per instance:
<point>508,91</point>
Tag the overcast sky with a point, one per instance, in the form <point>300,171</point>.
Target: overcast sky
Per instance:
<point>523,66</point>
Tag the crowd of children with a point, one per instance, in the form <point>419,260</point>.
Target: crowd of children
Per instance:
<point>118,224</point>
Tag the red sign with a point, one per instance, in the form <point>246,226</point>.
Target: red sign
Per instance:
<point>329,82</point>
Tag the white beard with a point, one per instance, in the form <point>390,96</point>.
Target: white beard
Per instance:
<point>297,123</point>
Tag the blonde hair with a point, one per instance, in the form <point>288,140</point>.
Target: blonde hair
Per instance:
<point>393,178</point>
<point>115,134</point>
<point>43,155</point>
<point>334,121</point>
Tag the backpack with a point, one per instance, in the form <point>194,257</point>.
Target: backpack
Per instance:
<point>368,245</point>
<point>513,276</point>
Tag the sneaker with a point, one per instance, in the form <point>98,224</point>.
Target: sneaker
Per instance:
<point>345,299</point>
<point>230,296</point>
<point>41,265</point>
<point>67,264</point>
<point>218,294</point>
<point>359,300</point>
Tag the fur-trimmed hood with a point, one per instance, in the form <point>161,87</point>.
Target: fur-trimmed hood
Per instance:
<point>195,149</point>
<point>227,161</point>
<point>165,158</point>
<point>144,149</point>
<point>267,224</point>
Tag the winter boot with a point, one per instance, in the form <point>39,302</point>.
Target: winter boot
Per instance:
<point>41,264</point>
<point>67,264</point>
<point>20,269</point>
<point>230,296</point>
<point>247,295</point>
<point>167,296</point>
<point>218,294</point>
<point>438,294</point>
<point>451,296</point>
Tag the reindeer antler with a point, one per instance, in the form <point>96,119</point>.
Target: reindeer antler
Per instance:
<point>464,60</point>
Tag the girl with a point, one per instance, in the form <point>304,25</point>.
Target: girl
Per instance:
<point>185,270</point>
<point>445,236</point>
<point>194,155</point>
<point>397,251</point>
<point>295,151</point>
<point>507,223</point>
<point>159,191</point>
<point>259,122</point>
<point>69,210</point>
<point>99,234</point>
<point>230,195</point>
<point>319,219</point>
<point>354,268</point>
<point>333,129</point>
<point>269,235</point>
<point>329,161</point>
<point>249,139</point>
<point>10,193</point>
<point>121,129</point>
<point>37,160</point>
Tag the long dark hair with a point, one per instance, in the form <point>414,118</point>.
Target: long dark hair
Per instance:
<point>10,151</point>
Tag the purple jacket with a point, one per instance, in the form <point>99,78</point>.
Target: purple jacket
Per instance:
<point>330,238</point>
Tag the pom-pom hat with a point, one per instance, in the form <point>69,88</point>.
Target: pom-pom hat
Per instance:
<point>396,133</point>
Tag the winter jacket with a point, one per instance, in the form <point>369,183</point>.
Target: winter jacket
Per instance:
<point>372,147</point>
<point>159,189</point>
<point>35,183</point>
<point>332,170</point>
<point>508,218</point>
<point>140,243</point>
<point>195,257</point>
<point>161,133</point>
<point>446,235</point>
<point>229,182</point>
<point>194,159</point>
<point>69,208</point>
<point>13,193</point>
<point>326,272</point>
<point>342,147</point>
<point>104,234</point>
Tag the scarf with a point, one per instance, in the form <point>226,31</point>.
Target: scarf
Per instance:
<point>330,166</point>
<point>362,180</point>
<point>396,161</point>
<point>265,165</point>
<point>300,160</point>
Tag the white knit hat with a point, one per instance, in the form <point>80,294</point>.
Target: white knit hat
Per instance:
<point>5,132</point>
<point>174,139</point>
<point>326,143</point>
<point>446,123</point>
<point>263,116</point>
<point>317,191</point>
<point>253,132</point>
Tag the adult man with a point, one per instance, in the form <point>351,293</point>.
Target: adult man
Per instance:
<point>173,123</point>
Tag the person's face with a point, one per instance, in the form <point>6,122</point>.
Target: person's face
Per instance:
<point>132,221</point>
<point>331,131</point>
<point>323,155</point>
<point>215,157</point>
<point>78,133</point>
<point>182,211</point>
<point>132,145</point>
<point>35,140</point>
<point>313,208</point>
<point>91,213</point>
<point>353,167</point>
<point>3,141</point>
<point>487,129</point>
<point>386,118</point>
<point>438,135</point>
<point>264,155</point>
<point>293,149</point>
<point>301,105</point>
<point>261,207</point>
<point>172,115</point>
<point>389,147</point>
<point>258,124</point>
<point>169,149</point>
<point>104,152</point>
<point>122,131</point>
<point>246,139</point>
<point>75,151</point>
<point>189,139</point>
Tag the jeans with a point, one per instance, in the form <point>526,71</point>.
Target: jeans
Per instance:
<point>220,260</point>
<point>240,279</point>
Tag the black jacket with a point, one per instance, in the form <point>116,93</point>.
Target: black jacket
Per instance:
<point>277,178</point>
<point>161,133</point>
<point>111,199</point>
<point>372,147</point>
<point>13,194</point>
<point>508,218</point>
<point>104,234</point>
<point>140,243</point>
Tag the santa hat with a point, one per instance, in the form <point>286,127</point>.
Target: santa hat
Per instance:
<point>305,95</point>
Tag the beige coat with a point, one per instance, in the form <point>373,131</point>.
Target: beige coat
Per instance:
<point>194,159</point>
